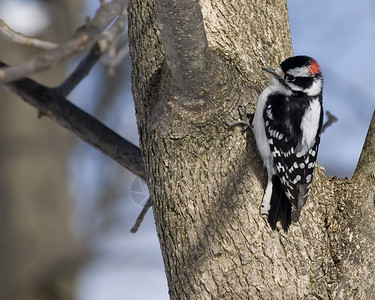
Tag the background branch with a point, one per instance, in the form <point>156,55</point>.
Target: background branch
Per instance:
<point>50,103</point>
<point>26,40</point>
<point>141,216</point>
<point>84,37</point>
<point>112,39</point>
<point>80,72</point>
<point>330,120</point>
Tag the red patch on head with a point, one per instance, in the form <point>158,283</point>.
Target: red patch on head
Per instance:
<point>314,67</point>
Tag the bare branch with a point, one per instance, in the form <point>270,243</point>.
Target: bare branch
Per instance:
<point>85,37</point>
<point>109,38</point>
<point>50,103</point>
<point>80,72</point>
<point>25,40</point>
<point>112,39</point>
<point>141,216</point>
<point>114,59</point>
<point>105,43</point>
<point>331,119</point>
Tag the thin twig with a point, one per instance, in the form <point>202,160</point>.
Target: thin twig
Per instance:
<point>331,119</point>
<point>85,37</point>
<point>80,71</point>
<point>113,40</point>
<point>141,216</point>
<point>114,60</point>
<point>25,40</point>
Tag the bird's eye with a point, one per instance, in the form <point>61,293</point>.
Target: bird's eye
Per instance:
<point>289,77</point>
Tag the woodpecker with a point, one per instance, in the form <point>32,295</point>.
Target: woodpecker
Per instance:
<point>287,125</point>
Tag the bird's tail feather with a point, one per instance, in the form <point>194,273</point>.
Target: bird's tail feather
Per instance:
<point>281,209</point>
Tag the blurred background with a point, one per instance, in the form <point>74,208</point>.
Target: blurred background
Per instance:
<point>66,210</point>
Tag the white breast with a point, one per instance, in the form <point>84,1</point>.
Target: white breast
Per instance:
<point>310,124</point>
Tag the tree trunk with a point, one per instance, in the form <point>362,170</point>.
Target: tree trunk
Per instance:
<point>193,65</point>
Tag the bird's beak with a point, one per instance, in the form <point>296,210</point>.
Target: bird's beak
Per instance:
<point>270,70</point>
<point>278,73</point>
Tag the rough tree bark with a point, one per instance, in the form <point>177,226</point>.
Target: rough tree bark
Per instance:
<point>193,64</point>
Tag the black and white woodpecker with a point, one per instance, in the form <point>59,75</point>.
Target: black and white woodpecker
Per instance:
<point>287,125</point>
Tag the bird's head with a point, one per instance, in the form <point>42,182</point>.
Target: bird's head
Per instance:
<point>299,74</point>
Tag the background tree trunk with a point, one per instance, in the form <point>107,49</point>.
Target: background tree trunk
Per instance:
<point>38,254</point>
<point>206,179</point>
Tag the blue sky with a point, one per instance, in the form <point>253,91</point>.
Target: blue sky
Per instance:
<point>340,35</point>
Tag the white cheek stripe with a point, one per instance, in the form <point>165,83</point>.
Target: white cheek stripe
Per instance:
<point>299,72</point>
